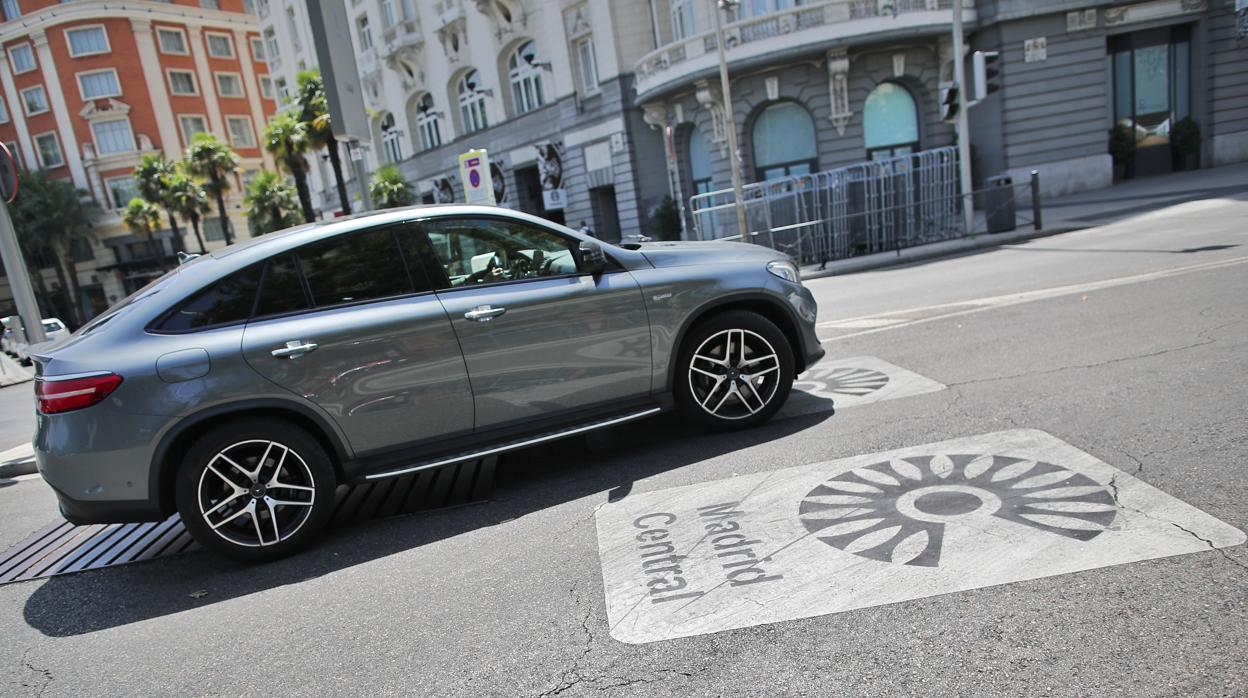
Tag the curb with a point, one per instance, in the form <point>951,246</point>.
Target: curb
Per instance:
<point>936,250</point>
<point>16,468</point>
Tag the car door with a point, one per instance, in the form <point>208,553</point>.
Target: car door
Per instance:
<point>539,338</point>
<point>342,323</point>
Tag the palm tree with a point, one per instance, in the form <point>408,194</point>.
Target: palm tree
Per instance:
<point>214,161</point>
<point>142,217</point>
<point>286,137</point>
<point>52,217</point>
<point>314,111</point>
<point>271,204</point>
<point>389,189</point>
<point>190,201</point>
<point>152,177</point>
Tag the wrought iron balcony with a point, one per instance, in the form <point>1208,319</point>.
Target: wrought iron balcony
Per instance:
<point>807,27</point>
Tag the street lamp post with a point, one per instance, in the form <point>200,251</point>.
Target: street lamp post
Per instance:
<point>730,121</point>
<point>964,122</point>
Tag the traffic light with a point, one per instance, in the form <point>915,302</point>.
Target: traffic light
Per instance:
<point>949,102</point>
<point>986,73</point>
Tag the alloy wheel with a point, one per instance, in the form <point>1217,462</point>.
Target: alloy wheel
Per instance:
<point>734,374</point>
<point>256,493</point>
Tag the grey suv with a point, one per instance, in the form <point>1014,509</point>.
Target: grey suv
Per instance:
<point>240,389</point>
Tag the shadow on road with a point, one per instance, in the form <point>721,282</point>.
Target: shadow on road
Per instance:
<point>527,481</point>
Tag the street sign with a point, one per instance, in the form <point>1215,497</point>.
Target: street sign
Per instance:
<point>8,175</point>
<point>474,172</point>
<point>554,199</point>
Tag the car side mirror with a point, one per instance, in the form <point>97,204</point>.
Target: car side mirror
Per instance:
<point>593,259</point>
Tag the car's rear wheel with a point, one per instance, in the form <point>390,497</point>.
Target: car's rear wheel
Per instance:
<point>256,490</point>
<point>736,369</point>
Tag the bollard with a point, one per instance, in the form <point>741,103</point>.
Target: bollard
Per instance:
<point>1035,200</point>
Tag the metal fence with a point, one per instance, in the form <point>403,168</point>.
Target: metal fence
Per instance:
<point>869,207</point>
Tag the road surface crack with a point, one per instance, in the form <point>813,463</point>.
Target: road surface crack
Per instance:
<point>43,676</point>
<point>1209,543</point>
<point>572,676</point>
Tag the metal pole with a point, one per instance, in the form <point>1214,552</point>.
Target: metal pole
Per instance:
<point>964,126</point>
<point>360,174</point>
<point>1035,200</point>
<point>19,280</point>
<point>730,122</point>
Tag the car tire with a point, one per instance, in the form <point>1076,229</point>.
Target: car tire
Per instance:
<point>256,490</point>
<point>734,371</point>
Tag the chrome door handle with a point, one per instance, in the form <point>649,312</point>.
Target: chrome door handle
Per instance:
<point>294,349</point>
<point>484,313</point>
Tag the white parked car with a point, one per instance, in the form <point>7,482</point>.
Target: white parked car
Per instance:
<point>55,331</point>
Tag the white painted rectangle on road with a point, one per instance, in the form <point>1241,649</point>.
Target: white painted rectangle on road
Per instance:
<point>858,380</point>
<point>878,529</point>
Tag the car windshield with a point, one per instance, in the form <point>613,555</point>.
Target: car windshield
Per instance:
<point>52,326</point>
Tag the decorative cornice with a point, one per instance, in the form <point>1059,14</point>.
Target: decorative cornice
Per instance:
<point>134,10</point>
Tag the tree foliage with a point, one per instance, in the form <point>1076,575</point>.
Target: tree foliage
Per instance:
<point>214,161</point>
<point>289,140</point>
<point>271,204</point>
<point>389,189</point>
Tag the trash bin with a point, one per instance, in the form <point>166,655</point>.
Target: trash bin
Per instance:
<point>999,204</point>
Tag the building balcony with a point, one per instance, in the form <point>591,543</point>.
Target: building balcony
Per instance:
<point>402,38</point>
<point>448,12</point>
<point>791,33</point>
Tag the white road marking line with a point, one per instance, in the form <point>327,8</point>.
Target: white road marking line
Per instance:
<point>877,529</point>
<point>982,304</point>
<point>863,323</point>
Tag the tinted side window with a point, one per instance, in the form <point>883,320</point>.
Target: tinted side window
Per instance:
<point>229,300</point>
<point>355,267</point>
<point>485,250</point>
<point>282,291</point>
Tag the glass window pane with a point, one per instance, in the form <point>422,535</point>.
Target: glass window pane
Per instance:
<point>1122,88</point>
<point>783,133</point>
<point>86,41</point>
<point>890,117</point>
<point>172,41</point>
<point>226,302</point>
<point>486,251</point>
<point>699,156</point>
<point>113,136</point>
<point>98,85</point>
<point>355,267</point>
<point>282,289</point>
<point>1152,95</point>
<point>1182,78</point>
<point>220,46</point>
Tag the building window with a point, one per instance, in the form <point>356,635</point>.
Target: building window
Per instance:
<point>192,124</point>
<point>182,82</point>
<point>113,136</point>
<point>11,10</point>
<point>270,44</point>
<point>229,85</point>
<point>682,19</point>
<point>758,8</point>
<point>366,34</point>
<point>387,13</point>
<point>220,45</point>
<point>890,122</point>
<point>172,41</point>
<point>588,63</point>
<point>48,150</point>
<point>4,112</point>
<point>266,87</point>
<point>87,41</point>
<point>283,92</point>
<point>526,79</point>
<point>784,141</point>
<point>472,103</point>
<point>292,26</point>
<point>241,134</point>
<point>210,4</point>
<point>99,84</point>
<point>213,230</point>
<point>22,57</point>
<point>257,49</point>
<point>427,123</point>
<point>120,191</point>
<point>34,100</point>
<point>390,146</point>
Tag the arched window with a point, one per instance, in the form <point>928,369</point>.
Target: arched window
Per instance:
<point>890,121</point>
<point>472,103</point>
<point>526,78</point>
<point>784,141</point>
<point>425,122</point>
<point>390,145</point>
<point>699,162</point>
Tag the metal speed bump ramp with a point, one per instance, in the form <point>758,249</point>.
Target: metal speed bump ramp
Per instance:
<point>877,529</point>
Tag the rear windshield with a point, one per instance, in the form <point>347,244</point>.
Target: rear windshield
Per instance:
<point>124,305</point>
<point>52,326</point>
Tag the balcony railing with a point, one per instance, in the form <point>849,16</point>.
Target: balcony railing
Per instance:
<point>403,35</point>
<point>812,23</point>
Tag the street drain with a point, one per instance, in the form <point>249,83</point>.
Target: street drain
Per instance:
<point>63,548</point>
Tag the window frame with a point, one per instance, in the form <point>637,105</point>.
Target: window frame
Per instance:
<point>472,104</point>
<point>186,139</point>
<point>160,45</point>
<point>228,39</point>
<point>251,130</point>
<point>109,188</point>
<point>4,111</point>
<point>82,91</point>
<point>586,87</point>
<point>95,139</point>
<point>169,73</point>
<point>259,56</point>
<point>428,125</point>
<point>47,107</point>
<point>34,60</point>
<point>69,45</point>
<point>34,138</point>
<point>266,87</point>
<point>528,94</point>
<point>364,31</point>
<point>17,11</point>
<point>216,78</point>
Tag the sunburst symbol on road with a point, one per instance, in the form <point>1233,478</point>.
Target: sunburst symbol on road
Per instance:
<point>842,381</point>
<point>898,510</point>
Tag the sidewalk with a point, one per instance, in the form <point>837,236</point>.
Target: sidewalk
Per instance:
<point>19,460</point>
<point>11,373</point>
<point>1063,215</point>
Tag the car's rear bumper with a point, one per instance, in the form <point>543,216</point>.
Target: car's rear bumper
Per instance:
<point>81,512</point>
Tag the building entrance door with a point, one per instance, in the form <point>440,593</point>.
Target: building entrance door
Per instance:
<point>1151,86</point>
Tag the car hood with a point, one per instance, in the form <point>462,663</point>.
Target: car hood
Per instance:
<point>682,254</point>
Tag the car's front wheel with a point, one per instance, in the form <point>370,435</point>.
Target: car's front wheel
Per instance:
<point>737,370</point>
<point>256,490</point>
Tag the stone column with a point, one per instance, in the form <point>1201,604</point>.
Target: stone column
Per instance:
<point>838,87</point>
<point>207,84</point>
<point>166,124</point>
<point>56,100</point>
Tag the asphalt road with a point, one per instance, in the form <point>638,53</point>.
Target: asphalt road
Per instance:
<point>506,597</point>
<point>17,414</point>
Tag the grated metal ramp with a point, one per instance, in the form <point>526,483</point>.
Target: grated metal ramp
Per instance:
<point>63,548</point>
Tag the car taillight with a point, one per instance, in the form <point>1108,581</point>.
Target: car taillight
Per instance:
<point>56,396</point>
